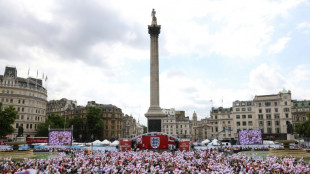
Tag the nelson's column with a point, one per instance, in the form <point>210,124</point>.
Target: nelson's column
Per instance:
<point>154,115</point>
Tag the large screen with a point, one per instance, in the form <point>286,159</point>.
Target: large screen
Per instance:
<point>60,138</point>
<point>154,126</point>
<point>250,137</point>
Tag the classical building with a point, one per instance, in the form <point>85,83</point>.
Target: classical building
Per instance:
<point>243,115</point>
<point>221,122</point>
<point>113,120</point>
<point>201,130</point>
<point>60,107</point>
<point>28,96</point>
<point>177,124</point>
<point>129,127</point>
<point>299,111</point>
<point>273,114</point>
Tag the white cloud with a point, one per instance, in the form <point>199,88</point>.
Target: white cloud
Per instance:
<point>266,79</point>
<point>304,26</point>
<point>269,79</point>
<point>279,45</point>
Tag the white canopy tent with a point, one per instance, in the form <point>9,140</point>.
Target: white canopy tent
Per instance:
<point>206,141</point>
<point>97,142</point>
<point>114,143</point>
<point>106,142</point>
<point>215,142</point>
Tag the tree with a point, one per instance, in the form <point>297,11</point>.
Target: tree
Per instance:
<point>94,123</point>
<point>303,128</point>
<point>54,121</point>
<point>78,127</point>
<point>7,118</point>
<point>144,129</point>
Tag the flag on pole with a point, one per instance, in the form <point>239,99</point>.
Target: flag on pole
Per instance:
<point>37,73</point>
<point>45,78</point>
<point>28,71</point>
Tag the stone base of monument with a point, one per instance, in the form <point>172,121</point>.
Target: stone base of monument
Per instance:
<point>20,154</point>
<point>287,152</point>
<point>290,137</point>
<point>20,139</point>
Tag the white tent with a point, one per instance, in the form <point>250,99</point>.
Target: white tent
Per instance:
<point>105,142</point>
<point>215,142</point>
<point>97,142</point>
<point>206,141</point>
<point>115,143</point>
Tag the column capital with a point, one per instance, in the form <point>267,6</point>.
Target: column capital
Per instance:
<point>154,30</point>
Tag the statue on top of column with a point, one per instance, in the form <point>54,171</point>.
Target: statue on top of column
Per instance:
<point>154,19</point>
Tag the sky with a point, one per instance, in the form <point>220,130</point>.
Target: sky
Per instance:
<point>209,50</point>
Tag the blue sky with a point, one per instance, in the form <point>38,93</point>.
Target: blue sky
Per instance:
<point>209,50</point>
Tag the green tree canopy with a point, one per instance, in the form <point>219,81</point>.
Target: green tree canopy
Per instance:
<point>78,127</point>
<point>303,128</point>
<point>54,120</point>
<point>94,122</point>
<point>144,129</point>
<point>7,118</point>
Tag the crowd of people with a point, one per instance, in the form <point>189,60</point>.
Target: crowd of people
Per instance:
<point>144,161</point>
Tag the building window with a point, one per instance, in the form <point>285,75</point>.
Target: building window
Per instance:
<point>269,130</point>
<point>249,109</point>
<point>243,116</point>
<point>268,110</point>
<point>276,116</point>
<point>285,103</point>
<point>17,125</point>
<point>243,109</point>
<point>268,123</point>
<point>260,116</point>
<point>276,103</point>
<point>250,123</point>
<point>276,110</point>
<point>22,117</point>
<point>277,130</point>
<point>267,104</point>
<point>249,103</point>
<point>249,116</point>
<point>260,111</point>
<point>286,109</point>
<point>286,115</point>
<point>237,109</point>
<point>238,116</point>
<point>259,104</point>
<point>268,116</point>
<point>30,126</point>
<point>261,124</point>
<point>277,123</point>
<point>27,126</point>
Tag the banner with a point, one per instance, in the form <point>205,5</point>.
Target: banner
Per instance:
<point>125,145</point>
<point>184,145</point>
<point>154,141</point>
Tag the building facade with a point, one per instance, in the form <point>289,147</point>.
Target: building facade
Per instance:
<point>129,127</point>
<point>221,122</point>
<point>176,124</point>
<point>60,107</point>
<point>28,96</point>
<point>299,111</point>
<point>273,113</point>
<point>243,115</point>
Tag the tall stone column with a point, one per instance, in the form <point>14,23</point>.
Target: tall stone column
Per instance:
<point>154,114</point>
